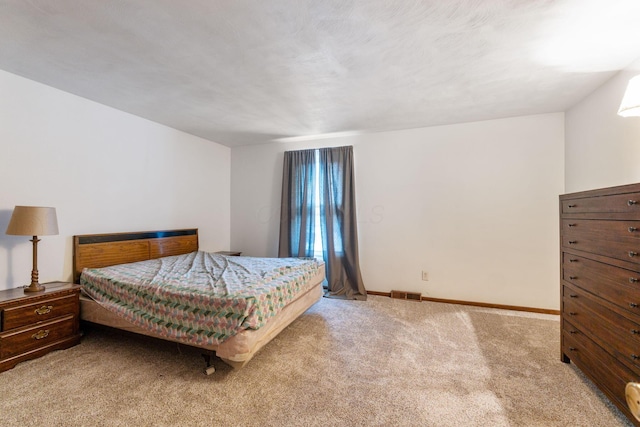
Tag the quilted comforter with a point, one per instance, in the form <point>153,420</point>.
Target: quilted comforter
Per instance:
<point>200,298</point>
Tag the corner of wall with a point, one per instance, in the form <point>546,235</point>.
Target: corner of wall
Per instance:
<point>601,147</point>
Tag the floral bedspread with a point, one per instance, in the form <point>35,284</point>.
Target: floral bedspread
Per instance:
<point>199,298</point>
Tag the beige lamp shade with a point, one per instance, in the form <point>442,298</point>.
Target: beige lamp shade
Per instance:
<point>630,105</point>
<point>33,221</point>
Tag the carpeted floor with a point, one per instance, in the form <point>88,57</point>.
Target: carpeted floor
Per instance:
<point>382,362</point>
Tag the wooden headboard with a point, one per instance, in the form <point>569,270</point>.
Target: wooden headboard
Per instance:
<point>104,250</point>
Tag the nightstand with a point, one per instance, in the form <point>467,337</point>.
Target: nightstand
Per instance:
<point>32,325</point>
<point>229,253</point>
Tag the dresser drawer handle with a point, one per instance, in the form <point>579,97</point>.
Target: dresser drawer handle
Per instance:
<point>40,334</point>
<point>631,202</point>
<point>573,349</point>
<point>632,229</point>
<point>573,277</point>
<point>572,225</point>
<point>633,280</point>
<point>573,332</point>
<point>571,206</point>
<point>635,332</point>
<point>632,254</point>
<point>633,305</point>
<point>573,242</point>
<point>635,357</point>
<point>573,260</point>
<point>573,313</point>
<point>573,296</point>
<point>45,309</point>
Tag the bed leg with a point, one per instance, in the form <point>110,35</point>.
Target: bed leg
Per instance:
<point>210,369</point>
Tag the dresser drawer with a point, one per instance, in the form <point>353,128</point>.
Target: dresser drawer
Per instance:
<point>27,338</point>
<point>617,203</point>
<point>611,230</point>
<point>615,333</point>
<point>619,286</point>
<point>608,238</point>
<point>597,363</point>
<point>27,314</point>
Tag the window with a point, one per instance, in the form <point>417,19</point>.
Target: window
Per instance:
<point>318,215</point>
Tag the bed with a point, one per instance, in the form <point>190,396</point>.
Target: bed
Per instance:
<point>113,258</point>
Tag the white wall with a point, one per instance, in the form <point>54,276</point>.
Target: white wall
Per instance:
<point>104,171</point>
<point>602,149</point>
<point>476,205</point>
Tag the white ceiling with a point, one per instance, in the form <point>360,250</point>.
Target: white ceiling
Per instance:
<point>243,72</point>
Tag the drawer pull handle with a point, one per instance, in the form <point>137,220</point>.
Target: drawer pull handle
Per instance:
<point>632,229</point>
<point>635,357</point>
<point>572,313</point>
<point>632,254</point>
<point>631,202</point>
<point>573,242</point>
<point>633,280</point>
<point>45,309</point>
<point>573,349</point>
<point>635,331</point>
<point>573,260</point>
<point>40,334</point>
<point>571,206</point>
<point>573,277</point>
<point>633,305</point>
<point>573,332</point>
<point>573,296</point>
<point>572,225</point>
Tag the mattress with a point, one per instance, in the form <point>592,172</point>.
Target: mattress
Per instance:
<point>200,298</point>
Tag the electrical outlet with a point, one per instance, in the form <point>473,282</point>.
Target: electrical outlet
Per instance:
<point>425,275</point>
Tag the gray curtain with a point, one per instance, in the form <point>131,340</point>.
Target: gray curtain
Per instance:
<point>297,231</point>
<point>337,215</point>
<point>338,223</point>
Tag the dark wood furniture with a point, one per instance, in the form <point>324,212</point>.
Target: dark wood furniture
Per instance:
<point>104,250</point>
<point>34,324</point>
<point>600,287</point>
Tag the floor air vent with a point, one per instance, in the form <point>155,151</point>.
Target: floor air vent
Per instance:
<point>412,296</point>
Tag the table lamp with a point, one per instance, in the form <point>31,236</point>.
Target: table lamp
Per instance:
<point>33,221</point>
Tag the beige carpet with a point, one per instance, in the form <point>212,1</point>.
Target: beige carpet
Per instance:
<point>382,362</point>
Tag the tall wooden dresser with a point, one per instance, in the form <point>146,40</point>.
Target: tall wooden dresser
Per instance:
<point>600,287</point>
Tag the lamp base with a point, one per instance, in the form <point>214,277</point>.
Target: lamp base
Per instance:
<point>34,287</point>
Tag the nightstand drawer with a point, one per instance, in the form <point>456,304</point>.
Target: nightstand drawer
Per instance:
<point>24,339</point>
<point>27,314</point>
